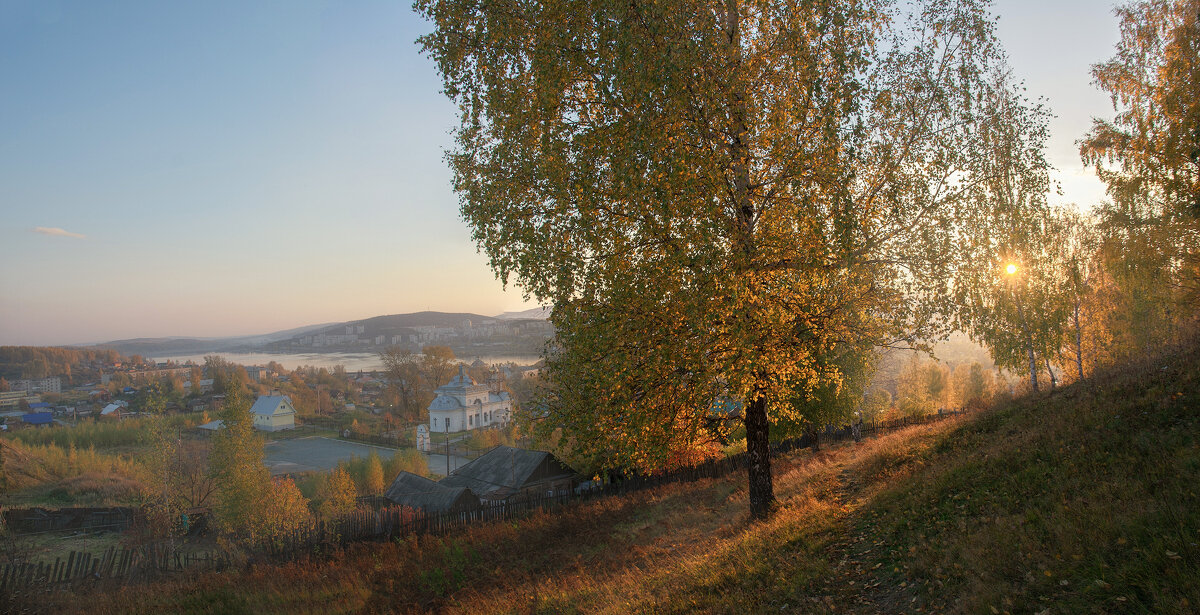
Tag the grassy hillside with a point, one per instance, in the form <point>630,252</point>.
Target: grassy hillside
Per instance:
<point>47,475</point>
<point>1082,500</point>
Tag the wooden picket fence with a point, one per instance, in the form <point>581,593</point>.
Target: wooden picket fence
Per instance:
<point>147,561</point>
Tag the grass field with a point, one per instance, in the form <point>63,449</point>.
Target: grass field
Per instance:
<point>1082,500</point>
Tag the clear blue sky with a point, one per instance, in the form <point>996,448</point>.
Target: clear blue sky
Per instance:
<point>224,168</point>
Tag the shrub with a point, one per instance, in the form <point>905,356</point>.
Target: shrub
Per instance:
<point>406,460</point>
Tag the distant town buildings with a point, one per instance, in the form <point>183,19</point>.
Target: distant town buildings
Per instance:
<point>257,373</point>
<point>13,398</point>
<point>206,386</point>
<point>158,372</point>
<point>39,385</point>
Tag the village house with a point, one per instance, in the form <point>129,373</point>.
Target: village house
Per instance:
<point>273,413</point>
<point>463,405</point>
<point>269,413</point>
<point>38,419</point>
<point>506,473</point>
<point>114,410</point>
<point>420,493</point>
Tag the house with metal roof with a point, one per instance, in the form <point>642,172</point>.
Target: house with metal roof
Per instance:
<point>420,493</point>
<point>507,473</point>
<point>462,405</point>
<point>38,419</point>
<point>273,413</point>
<point>216,425</point>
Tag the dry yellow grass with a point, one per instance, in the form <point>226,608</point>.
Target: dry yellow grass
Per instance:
<point>677,548</point>
<point>1080,500</point>
<point>693,548</point>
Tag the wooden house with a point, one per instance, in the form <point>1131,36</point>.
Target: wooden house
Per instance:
<point>507,473</point>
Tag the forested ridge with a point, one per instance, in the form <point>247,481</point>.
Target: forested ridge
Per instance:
<point>45,361</point>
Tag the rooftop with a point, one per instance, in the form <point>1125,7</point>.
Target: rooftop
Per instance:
<point>418,492</point>
<point>506,469</point>
<point>266,404</point>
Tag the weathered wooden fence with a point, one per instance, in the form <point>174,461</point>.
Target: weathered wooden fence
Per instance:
<point>127,565</point>
<point>41,520</point>
<point>123,565</point>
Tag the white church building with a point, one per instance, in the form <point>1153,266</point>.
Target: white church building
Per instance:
<point>462,405</point>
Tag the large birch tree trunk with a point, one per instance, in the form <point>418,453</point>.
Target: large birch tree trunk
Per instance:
<point>758,459</point>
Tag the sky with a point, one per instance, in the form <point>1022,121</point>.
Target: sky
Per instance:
<point>229,168</point>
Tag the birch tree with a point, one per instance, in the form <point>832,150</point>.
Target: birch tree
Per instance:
<point>1148,156</point>
<point>236,465</point>
<point>1079,251</point>
<point>713,195</point>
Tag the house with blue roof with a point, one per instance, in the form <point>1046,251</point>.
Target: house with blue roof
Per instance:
<point>38,419</point>
<point>273,413</point>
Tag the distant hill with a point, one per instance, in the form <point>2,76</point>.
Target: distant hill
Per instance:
<point>190,345</point>
<point>364,331</point>
<point>537,313</point>
<point>416,319</point>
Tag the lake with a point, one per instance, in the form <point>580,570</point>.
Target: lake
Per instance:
<point>352,361</point>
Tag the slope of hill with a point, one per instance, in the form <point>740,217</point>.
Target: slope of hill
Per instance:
<point>378,325</point>
<point>179,345</point>
<point>537,313</point>
<point>384,324</point>
<point>1082,500</point>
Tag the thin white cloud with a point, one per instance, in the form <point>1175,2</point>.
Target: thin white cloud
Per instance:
<point>51,230</point>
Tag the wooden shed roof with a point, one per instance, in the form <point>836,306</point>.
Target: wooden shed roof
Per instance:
<point>420,493</point>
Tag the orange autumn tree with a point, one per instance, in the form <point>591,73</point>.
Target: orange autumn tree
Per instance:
<point>713,195</point>
<point>283,510</point>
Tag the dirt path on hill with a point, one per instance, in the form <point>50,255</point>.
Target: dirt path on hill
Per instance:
<point>859,583</point>
<point>868,576</point>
